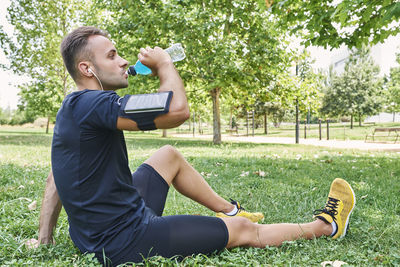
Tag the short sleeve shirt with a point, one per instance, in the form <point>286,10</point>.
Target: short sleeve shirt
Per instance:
<point>92,176</point>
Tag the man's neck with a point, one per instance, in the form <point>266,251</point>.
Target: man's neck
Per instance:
<point>88,84</point>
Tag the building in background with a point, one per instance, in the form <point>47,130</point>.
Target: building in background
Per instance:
<point>383,54</point>
<point>384,117</point>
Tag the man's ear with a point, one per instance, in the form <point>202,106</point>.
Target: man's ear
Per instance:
<point>84,69</point>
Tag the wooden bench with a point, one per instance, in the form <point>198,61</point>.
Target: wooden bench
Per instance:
<point>232,130</point>
<point>384,133</point>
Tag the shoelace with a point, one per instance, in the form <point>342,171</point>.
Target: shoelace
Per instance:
<point>330,208</point>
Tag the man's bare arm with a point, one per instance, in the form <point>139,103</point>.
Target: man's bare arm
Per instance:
<point>51,207</point>
<point>179,108</point>
<point>161,65</point>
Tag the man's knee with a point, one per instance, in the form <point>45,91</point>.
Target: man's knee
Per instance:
<point>170,151</point>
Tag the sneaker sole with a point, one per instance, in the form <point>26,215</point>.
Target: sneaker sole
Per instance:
<point>348,217</point>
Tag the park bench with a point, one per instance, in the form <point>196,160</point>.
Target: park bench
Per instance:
<point>386,133</point>
<point>232,130</point>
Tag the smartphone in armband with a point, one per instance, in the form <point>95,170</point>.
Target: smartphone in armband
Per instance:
<point>148,103</point>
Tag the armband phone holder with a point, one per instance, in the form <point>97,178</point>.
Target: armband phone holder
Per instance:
<point>156,102</point>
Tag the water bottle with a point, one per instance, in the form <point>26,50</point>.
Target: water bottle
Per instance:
<point>175,51</point>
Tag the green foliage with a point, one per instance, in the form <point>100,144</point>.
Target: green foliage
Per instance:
<point>230,45</point>
<point>33,50</point>
<point>41,98</point>
<point>15,117</point>
<point>39,27</point>
<point>309,86</point>
<point>296,181</point>
<point>5,115</point>
<point>332,23</point>
<point>357,91</point>
<point>280,96</point>
<point>393,88</point>
<point>235,43</point>
<point>20,117</point>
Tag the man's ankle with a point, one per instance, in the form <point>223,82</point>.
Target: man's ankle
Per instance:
<point>326,228</point>
<point>229,208</point>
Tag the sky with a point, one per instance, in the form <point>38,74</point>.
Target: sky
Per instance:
<point>384,54</point>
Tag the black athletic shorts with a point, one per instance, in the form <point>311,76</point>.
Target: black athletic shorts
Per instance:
<point>168,236</point>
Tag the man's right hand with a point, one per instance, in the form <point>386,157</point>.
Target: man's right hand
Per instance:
<point>51,207</point>
<point>34,243</point>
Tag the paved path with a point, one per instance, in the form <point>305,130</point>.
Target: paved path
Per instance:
<point>350,144</point>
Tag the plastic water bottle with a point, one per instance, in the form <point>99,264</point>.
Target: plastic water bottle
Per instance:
<point>175,51</point>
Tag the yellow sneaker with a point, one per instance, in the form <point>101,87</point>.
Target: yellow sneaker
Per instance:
<point>252,216</point>
<point>340,204</point>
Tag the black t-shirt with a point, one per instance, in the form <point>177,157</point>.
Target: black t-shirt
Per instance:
<point>92,176</point>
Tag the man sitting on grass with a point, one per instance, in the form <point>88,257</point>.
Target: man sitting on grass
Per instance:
<point>117,214</point>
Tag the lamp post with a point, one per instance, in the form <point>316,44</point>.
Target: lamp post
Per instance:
<point>297,111</point>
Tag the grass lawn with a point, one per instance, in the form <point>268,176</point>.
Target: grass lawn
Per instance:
<point>296,181</point>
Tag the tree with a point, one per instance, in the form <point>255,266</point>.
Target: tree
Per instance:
<point>332,23</point>
<point>41,97</point>
<point>33,50</point>
<point>5,115</point>
<point>357,91</point>
<point>199,102</point>
<point>282,94</point>
<point>310,84</point>
<point>230,44</point>
<point>393,88</point>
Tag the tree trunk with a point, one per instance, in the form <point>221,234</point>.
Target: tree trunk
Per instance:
<point>164,133</point>
<point>216,115</point>
<point>359,119</point>
<point>194,122</point>
<point>297,137</point>
<point>351,121</point>
<point>199,122</point>
<point>253,122</point>
<point>247,123</point>
<point>48,123</point>
<point>230,120</point>
<point>265,124</point>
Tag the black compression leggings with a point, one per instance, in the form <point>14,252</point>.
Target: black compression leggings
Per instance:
<point>168,236</point>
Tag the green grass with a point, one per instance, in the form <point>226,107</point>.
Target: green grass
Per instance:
<point>297,181</point>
